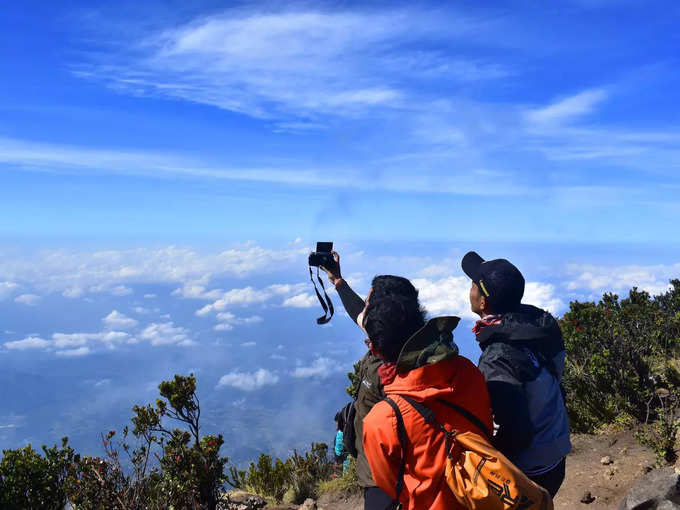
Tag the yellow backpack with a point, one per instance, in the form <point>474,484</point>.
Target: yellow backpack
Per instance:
<point>479,476</point>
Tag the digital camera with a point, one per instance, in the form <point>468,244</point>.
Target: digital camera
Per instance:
<point>322,256</point>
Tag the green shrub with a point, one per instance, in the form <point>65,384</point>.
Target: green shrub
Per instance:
<point>306,472</point>
<point>347,483</point>
<point>295,479</point>
<point>618,353</point>
<point>31,480</point>
<point>662,435</point>
<point>171,468</point>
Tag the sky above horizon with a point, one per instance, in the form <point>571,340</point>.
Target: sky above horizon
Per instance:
<point>165,167</point>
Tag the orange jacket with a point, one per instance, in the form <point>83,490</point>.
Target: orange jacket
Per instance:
<point>455,379</point>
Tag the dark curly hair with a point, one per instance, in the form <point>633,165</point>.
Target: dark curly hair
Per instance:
<point>390,321</point>
<point>390,285</point>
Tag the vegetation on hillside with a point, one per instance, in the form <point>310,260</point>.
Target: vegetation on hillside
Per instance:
<point>153,465</point>
<point>623,365</point>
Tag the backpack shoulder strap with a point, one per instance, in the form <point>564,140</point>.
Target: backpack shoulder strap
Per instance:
<point>468,416</point>
<point>428,414</point>
<point>401,433</point>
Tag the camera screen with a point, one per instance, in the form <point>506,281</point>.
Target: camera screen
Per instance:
<point>324,247</point>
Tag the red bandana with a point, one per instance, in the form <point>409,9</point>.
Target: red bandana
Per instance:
<point>387,372</point>
<point>489,320</point>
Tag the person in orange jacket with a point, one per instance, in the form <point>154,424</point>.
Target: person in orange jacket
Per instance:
<point>421,364</point>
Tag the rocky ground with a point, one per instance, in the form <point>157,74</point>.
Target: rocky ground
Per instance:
<point>600,471</point>
<point>603,466</point>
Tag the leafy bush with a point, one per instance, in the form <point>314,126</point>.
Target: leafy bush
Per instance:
<point>296,478</point>
<point>268,478</point>
<point>31,480</point>
<point>306,472</point>
<point>661,436</point>
<point>345,483</point>
<point>171,468</point>
<point>618,353</point>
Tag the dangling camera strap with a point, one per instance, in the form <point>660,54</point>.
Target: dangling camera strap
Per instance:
<point>326,307</point>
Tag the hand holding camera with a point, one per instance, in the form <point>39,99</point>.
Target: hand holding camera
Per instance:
<point>329,261</point>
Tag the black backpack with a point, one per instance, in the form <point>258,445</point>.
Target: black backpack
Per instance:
<point>349,435</point>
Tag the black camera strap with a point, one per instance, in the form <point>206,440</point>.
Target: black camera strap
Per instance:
<point>326,307</point>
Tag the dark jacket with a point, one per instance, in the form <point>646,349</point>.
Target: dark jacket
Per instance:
<point>370,389</point>
<point>522,361</point>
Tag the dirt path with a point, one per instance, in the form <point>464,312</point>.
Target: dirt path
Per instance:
<point>607,484</point>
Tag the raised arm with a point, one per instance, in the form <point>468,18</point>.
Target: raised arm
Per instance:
<point>352,302</point>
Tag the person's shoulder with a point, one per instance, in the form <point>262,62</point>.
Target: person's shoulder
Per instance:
<point>379,415</point>
<point>500,350</point>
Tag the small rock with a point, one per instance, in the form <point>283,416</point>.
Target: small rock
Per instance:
<point>609,473</point>
<point>587,498</point>
<point>606,460</point>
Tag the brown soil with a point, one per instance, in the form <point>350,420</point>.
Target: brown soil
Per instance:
<point>607,484</point>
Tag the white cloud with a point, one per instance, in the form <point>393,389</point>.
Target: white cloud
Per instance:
<point>249,295</point>
<point>31,342</point>
<point>445,296</point>
<point>107,338</point>
<point>7,289</point>
<point>28,299</point>
<point>300,61</point>
<point>197,290</point>
<point>568,108</point>
<point>117,320</point>
<point>114,290</point>
<point>73,292</point>
<point>248,381</point>
<point>600,279</point>
<point>543,295</point>
<point>228,320</point>
<point>72,353</point>
<point>149,296</point>
<point>303,300</point>
<point>451,296</point>
<point>248,344</point>
<point>167,333</point>
<point>321,367</point>
<point>75,273</point>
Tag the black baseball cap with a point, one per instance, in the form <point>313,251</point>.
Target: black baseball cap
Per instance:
<point>498,279</point>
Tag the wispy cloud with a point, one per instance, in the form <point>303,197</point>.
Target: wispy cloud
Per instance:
<point>7,289</point>
<point>568,109</point>
<point>296,61</point>
<point>36,156</point>
<point>28,299</point>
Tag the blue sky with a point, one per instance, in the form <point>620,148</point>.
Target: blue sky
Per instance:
<point>165,168</point>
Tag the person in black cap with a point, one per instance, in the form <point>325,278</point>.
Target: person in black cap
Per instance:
<point>522,361</point>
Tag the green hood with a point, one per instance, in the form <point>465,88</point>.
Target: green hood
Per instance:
<point>430,344</point>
